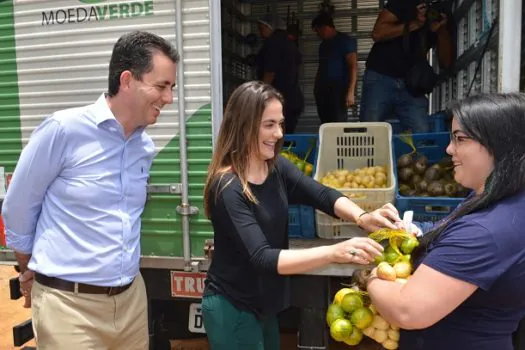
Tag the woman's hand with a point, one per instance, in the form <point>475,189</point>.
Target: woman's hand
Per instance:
<point>386,216</point>
<point>357,250</point>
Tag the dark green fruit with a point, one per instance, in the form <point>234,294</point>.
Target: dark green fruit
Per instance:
<point>405,174</point>
<point>411,193</point>
<point>432,174</point>
<point>448,176</point>
<point>421,165</point>
<point>404,189</point>
<point>450,189</point>
<point>461,191</point>
<point>446,162</point>
<point>436,189</point>
<point>422,186</point>
<point>405,160</point>
<point>416,178</point>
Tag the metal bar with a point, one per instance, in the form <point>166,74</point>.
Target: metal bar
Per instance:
<point>509,53</point>
<point>308,15</point>
<point>170,189</point>
<point>463,9</point>
<point>216,68</point>
<point>186,244</point>
<point>7,255</point>
<point>470,55</point>
<point>179,263</point>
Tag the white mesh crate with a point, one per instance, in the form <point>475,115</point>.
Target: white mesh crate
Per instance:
<point>353,146</point>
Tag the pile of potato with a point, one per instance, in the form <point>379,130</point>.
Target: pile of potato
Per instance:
<point>368,177</point>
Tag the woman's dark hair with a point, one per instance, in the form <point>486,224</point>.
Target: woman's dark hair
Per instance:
<point>497,122</point>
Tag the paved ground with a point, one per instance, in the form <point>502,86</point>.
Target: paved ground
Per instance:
<point>11,311</point>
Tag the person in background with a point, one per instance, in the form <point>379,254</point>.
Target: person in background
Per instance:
<point>246,196</point>
<point>385,93</point>
<point>336,78</point>
<point>72,210</point>
<point>278,62</point>
<point>467,291</point>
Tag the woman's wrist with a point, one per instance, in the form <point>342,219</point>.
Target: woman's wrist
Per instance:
<point>359,219</point>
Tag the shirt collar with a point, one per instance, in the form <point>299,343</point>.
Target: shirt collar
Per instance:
<point>101,110</point>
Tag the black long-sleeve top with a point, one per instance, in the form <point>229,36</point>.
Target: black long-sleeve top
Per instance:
<point>248,237</point>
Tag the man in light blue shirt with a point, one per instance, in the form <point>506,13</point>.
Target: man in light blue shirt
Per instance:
<point>72,210</point>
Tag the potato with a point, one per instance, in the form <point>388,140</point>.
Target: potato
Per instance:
<point>392,334</point>
<point>380,336</point>
<point>390,344</point>
<point>380,323</point>
<point>369,332</point>
<point>370,171</point>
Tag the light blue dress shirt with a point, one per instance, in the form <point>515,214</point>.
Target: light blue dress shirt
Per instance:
<point>76,197</point>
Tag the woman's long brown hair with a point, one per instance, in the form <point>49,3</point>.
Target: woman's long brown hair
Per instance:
<point>238,138</point>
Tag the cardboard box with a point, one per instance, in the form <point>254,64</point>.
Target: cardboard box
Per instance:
<point>190,344</point>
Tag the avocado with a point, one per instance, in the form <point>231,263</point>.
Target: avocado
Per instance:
<point>405,160</point>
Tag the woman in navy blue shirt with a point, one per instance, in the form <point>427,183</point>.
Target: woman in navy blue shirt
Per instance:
<point>468,288</point>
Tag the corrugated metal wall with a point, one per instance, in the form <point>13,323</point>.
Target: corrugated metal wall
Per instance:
<point>355,18</point>
<point>474,19</point>
<point>522,83</point>
<point>62,61</point>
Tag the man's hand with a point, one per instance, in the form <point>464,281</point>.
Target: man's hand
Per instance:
<point>350,99</point>
<point>421,18</point>
<point>436,25</point>
<point>26,284</point>
<point>422,10</point>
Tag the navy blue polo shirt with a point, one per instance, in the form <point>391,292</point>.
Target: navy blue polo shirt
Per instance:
<point>487,249</point>
<point>333,67</point>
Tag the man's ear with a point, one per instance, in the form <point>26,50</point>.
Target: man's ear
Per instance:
<point>125,80</point>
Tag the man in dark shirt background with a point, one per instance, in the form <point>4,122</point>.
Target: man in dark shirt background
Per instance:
<point>336,78</point>
<point>278,64</point>
<point>384,89</point>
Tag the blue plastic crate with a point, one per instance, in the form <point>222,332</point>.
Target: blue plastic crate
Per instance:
<point>301,221</point>
<point>300,143</point>
<point>436,121</point>
<point>433,146</point>
<point>301,218</point>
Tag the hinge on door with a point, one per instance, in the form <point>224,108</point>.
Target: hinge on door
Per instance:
<point>169,189</point>
<point>186,209</point>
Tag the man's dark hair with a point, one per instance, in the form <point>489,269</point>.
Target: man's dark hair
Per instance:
<point>134,52</point>
<point>323,19</point>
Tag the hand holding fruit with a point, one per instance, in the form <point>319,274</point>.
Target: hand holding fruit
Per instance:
<point>386,216</point>
<point>357,250</point>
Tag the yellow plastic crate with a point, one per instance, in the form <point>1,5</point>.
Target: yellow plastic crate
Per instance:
<point>353,146</point>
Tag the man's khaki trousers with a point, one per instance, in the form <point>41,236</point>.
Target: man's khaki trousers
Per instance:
<point>79,321</point>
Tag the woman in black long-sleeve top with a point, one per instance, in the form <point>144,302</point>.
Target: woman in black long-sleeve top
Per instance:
<point>247,194</point>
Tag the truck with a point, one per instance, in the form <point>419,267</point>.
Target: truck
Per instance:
<point>55,55</point>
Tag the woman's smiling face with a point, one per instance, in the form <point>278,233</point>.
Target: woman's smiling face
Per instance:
<point>472,162</point>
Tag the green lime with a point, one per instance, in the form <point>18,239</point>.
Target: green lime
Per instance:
<point>390,255</point>
<point>354,338</point>
<point>351,302</point>
<point>341,329</point>
<point>333,313</point>
<point>409,244</point>
<point>362,317</point>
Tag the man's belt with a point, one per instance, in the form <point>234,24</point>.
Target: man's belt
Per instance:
<point>69,286</point>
